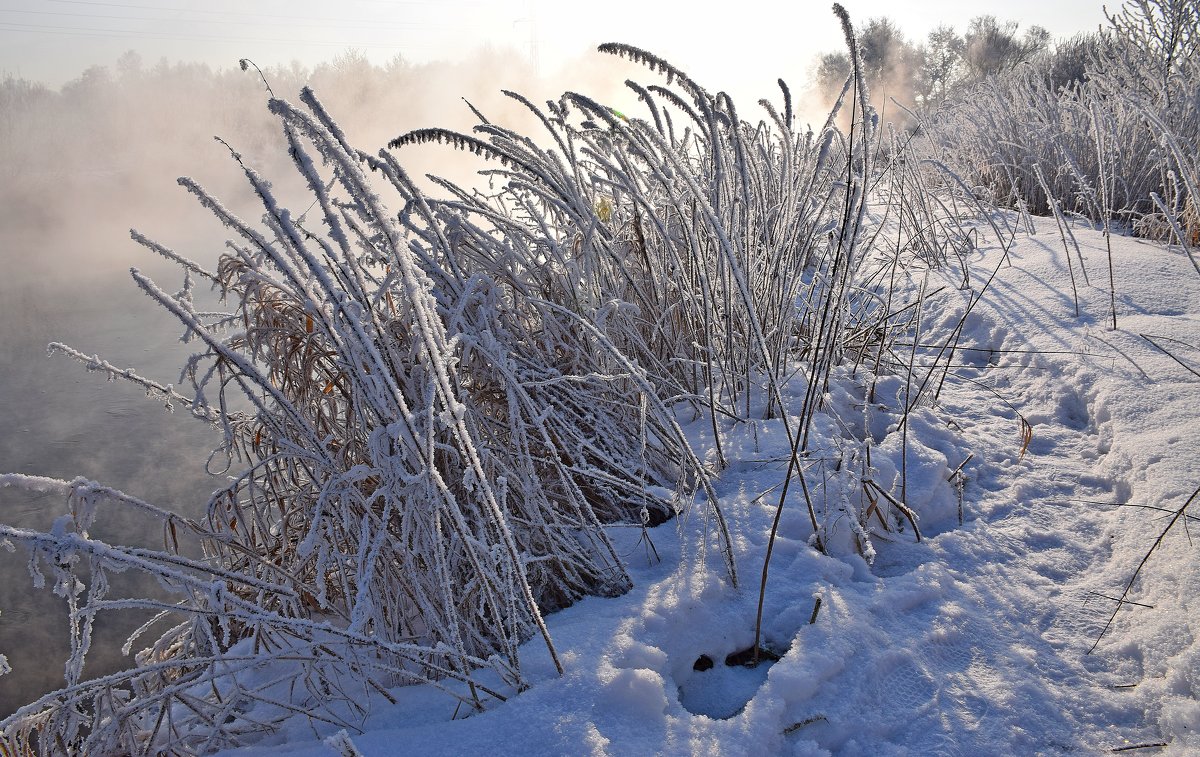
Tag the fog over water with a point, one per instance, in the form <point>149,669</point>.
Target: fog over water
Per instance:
<point>58,420</point>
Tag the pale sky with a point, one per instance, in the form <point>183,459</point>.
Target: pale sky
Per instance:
<point>723,45</point>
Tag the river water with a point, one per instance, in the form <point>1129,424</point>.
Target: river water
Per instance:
<point>64,277</point>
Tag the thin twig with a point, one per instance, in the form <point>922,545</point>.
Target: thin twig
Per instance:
<point>1129,586</point>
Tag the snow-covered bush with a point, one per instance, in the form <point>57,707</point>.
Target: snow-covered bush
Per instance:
<point>1116,144</point>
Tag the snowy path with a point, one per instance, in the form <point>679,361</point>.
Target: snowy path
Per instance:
<point>974,641</point>
<point>1116,426</point>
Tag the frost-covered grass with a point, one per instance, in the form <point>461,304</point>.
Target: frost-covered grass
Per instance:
<point>975,640</point>
<point>445,417</point>
<point>1116,145</point>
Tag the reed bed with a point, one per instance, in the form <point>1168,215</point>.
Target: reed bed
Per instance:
<point>1116,144</point>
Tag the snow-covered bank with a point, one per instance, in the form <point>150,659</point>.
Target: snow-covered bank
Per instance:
<point>975,640</point>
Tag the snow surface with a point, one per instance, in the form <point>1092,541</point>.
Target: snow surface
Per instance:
<point>978,639</point>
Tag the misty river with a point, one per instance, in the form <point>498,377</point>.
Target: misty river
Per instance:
<point>65,278</point>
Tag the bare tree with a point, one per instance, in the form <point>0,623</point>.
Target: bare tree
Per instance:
<point>941,63</point>
<point>889,62</point>
<point>992,47</point>
<point>1166,33</point>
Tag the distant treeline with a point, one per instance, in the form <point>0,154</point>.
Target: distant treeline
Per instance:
<point>117,118</point>
<point>1102,125</point>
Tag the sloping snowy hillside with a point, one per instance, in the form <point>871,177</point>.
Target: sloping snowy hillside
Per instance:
<point>993,637</point>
